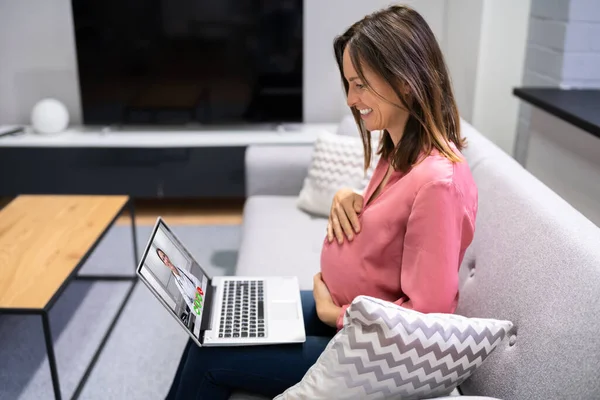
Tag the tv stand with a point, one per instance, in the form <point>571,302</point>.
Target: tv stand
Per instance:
<point>139,163</point>
<point>262,128</point>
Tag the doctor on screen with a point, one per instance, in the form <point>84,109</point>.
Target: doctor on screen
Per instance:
<point>186,282</point>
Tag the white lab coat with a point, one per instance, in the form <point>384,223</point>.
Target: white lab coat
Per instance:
<point>187,284</point>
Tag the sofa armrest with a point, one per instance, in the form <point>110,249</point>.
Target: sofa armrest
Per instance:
<point>277,170</point>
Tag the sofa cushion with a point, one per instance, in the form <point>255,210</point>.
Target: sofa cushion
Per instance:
<point>337,162</point>
<point>276,170</point>
<point>388,351</point>
<point>534,260</point>
<point>279,239</point>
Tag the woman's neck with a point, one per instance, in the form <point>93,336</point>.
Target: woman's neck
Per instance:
<point>397,129</point>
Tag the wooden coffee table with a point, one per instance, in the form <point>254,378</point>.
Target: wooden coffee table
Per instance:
<point>44,241</point>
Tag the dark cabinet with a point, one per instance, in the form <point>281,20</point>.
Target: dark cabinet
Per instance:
<point>138,172</point>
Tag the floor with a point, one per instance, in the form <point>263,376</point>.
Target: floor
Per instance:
<point>216,222</point>
<point>141,355</point>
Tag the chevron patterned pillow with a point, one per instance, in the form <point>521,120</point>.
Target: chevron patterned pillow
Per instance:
<point>386,351</point>
<point>337,162</point>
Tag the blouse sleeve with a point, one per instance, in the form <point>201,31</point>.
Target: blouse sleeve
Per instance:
<point>432,248</point>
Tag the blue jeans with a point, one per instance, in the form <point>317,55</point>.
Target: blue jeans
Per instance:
<point>215,372</point>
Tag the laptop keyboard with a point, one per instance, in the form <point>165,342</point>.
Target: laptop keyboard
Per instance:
<point>242,310</point>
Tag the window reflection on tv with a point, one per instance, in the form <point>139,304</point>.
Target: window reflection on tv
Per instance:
<point>189,62</point>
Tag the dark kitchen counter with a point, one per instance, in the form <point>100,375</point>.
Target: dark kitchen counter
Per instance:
<point>580,107</point>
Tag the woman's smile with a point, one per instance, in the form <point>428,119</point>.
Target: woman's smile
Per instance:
<point>365,112</point>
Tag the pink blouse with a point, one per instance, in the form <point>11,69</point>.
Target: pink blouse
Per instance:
<point>412,241</point>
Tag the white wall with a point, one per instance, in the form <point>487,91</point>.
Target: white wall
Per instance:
<point>565,158</point>
<point>37,50</point>
<point>461,50</point>
<point>324,100</point>
<point>563,51</point>
<point>37,54</point>
<point>504,30</point>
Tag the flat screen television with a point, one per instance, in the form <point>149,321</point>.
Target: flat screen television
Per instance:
<point>189,62</point>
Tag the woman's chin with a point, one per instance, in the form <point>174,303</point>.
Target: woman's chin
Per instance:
<point>372,127</point>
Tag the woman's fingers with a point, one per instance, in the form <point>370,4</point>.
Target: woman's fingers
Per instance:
<point>342,213</point>
<point>316,278</point>
<point>353,219</point>
<point>337,228</point>
<point>343,217</point>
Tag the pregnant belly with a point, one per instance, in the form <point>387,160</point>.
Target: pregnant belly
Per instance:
<point>343,271</point>
<point>360,268</point>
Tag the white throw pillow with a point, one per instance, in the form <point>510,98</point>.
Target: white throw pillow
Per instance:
<point>337,162</point>
<point>387,351</point>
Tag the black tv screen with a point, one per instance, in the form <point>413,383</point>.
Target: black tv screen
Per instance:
<point>189,62</point>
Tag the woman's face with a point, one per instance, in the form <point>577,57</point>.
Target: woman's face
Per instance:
<point>376,113</point>
<point>164,258</point>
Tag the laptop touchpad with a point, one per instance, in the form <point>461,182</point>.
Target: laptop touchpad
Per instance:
<point>283,310</point>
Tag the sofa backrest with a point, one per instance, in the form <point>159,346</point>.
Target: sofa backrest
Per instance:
<point>535,260</point>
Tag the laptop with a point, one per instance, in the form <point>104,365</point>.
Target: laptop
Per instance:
<point>220,310</point>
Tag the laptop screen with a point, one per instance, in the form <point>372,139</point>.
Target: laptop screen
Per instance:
<point>175,277</point>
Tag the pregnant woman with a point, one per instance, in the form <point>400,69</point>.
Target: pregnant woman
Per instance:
<point>404,240</point>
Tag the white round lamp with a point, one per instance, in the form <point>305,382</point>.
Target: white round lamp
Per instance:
<point>49,116</point>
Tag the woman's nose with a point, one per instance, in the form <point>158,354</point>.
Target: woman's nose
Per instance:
<point>351,99</point>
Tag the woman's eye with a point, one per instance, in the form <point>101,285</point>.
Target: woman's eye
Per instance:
<point>360,86</point>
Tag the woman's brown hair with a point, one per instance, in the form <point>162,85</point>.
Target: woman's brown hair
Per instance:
<point>397,44</point>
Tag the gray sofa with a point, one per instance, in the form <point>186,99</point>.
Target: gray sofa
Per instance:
<point>535,260</point>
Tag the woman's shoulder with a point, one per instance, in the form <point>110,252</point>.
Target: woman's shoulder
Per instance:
<point>433,167</point>
<point>437,168</point>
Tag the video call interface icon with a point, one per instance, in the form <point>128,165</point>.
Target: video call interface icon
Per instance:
<point>198,300</point>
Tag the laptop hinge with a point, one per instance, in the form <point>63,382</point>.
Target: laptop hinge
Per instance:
<point>206,322</point>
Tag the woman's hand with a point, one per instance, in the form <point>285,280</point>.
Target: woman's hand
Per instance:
<point>327,311</point>
<point>343,217</point>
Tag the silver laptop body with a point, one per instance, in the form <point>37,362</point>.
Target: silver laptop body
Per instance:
<point>221,310</point>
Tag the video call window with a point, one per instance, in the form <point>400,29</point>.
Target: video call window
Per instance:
<point>176,278</point>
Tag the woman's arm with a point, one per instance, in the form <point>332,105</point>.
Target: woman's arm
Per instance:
<point>437,228</point>
<point>329,314</point>
<point>327,311</point>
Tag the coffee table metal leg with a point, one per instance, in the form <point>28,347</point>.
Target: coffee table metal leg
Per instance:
<point>51,357</point>
<point>134,233</point>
